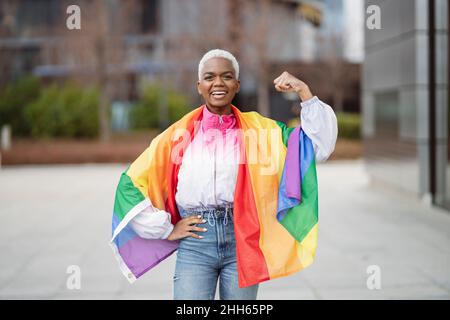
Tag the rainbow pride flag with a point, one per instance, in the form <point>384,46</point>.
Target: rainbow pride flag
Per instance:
<point>275,201</point>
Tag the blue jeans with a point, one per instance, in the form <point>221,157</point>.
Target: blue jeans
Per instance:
<point>201,262</point>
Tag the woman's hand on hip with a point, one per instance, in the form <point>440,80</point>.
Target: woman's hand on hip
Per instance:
<point>286,82</point>
<point>186,228</point>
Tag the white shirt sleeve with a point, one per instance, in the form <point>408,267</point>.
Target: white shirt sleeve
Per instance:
<point>152,223</point>
<point>319,123</point>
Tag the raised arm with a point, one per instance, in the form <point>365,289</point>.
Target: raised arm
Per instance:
<point>317,118</point>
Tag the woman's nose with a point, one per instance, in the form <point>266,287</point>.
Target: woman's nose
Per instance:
<point>218,82</point>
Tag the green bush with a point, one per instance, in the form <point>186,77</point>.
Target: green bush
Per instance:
<point>349,125</point>
<point>145,113</point>
<point>67,111</point>
<point>13,101</point>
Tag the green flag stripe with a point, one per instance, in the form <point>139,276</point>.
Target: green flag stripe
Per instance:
<point>300,219</point>
<point>127,196</point>
<point>285,132</point>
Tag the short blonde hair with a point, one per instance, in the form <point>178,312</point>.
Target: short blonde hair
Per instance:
<point>218,53</point>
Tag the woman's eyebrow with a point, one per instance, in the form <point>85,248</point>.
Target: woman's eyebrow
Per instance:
<point>213,73</point>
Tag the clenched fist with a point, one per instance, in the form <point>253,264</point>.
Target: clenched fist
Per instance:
<point>185,227</point>
<point>286,82</point>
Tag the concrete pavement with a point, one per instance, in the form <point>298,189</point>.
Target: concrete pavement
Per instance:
<point>53,217</point>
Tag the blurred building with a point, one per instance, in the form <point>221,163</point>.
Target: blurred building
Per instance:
<point>135,40</point>
<point>353,30</point>
<point>405,98</point>
<point>330,54</point>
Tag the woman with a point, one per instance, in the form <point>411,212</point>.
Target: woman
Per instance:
<point>235,193</point>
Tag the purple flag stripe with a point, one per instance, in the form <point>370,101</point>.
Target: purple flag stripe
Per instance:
<point>293,181</point>
<point>140,255</point>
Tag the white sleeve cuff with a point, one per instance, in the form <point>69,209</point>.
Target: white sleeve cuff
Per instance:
<point>310,102</point>
<point>319,122</point>
<point>168,231</point>
<point>152,223</point>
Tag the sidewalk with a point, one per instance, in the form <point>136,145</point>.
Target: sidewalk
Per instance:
<point>57,216</point>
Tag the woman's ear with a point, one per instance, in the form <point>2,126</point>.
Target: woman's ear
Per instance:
<point>198,88</point>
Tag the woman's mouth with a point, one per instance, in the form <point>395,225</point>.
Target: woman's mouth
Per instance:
<point>219,94</point>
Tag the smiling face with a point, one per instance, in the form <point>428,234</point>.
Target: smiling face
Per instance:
<point>218,84</point>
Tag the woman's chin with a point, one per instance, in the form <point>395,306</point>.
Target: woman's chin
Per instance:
<point>219,105</point>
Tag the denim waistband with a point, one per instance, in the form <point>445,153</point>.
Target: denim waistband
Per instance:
<point>211,214</point>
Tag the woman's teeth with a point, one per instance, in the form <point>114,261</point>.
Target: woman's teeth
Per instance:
<point>219,94</point>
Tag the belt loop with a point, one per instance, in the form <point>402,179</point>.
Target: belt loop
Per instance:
<point>225,222</point>
<point>209,218</point>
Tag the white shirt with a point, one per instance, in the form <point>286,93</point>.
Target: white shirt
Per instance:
<point>207,176</point>
<point>208,173</point>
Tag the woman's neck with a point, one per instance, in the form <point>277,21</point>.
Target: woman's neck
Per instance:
<point>220,110</point>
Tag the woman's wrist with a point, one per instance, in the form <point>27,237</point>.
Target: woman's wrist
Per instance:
<point>304,93</point>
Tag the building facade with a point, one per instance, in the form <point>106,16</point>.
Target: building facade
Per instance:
<point>147,40</point>
<point>405,98</point>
